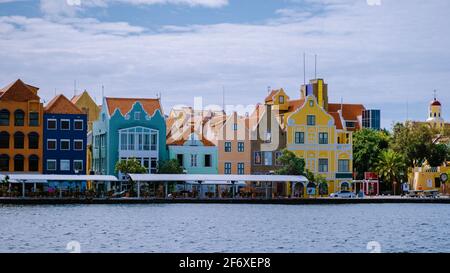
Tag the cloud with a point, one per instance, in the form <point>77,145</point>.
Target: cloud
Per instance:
<point>382,56</point>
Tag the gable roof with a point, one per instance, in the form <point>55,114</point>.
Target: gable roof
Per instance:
<point>337,120</point>
<point>349,111</point>
<point>184,136</point>
<point>295,104</point>
<point>19,91</point>
<point>62,105</point>
<point>125,104</point>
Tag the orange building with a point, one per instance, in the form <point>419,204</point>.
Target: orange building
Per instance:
<point>21,128</point>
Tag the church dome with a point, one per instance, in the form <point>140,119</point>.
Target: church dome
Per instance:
<point>435,102</point>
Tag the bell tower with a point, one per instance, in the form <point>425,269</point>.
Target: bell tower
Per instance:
<point>435,114</point>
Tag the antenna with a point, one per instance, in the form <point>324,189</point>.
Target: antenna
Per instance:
<point>304,68</point>
<point>223,98</point>
<point>315,66</point>
<point>103,91</point>
<point>268,89</point>
<point>342,104</point>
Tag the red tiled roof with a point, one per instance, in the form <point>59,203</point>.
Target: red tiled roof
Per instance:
<point>19,91</point>
<point>270,96</point>
<point>62,105</point>
<point>295,104</point>
<point>337,120</point>
<point>125,104</point>
<point>349,111</point>
<point>179,141</point>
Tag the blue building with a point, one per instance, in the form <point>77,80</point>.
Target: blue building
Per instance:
<point>65,136</point>
<point>371,119</point>
<point>129,128</point>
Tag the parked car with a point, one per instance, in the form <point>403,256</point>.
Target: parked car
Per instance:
<point>343,194</point>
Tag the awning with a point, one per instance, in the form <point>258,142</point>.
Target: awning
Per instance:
<point>227,183</point>
<point>216,177</point>
<point>44,178</point>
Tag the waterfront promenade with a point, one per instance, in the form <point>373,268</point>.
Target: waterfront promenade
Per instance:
<point>275,201</point>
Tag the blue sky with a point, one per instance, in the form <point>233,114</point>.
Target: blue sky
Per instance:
<point>385,54</point>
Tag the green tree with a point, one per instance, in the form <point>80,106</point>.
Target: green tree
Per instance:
<point>390,167</point>
<point>130,166</point>
<point>292,164</point>
<point>413,141</point>
<point>170,167</point>
<point>367,147</point>
<point>438,155</point>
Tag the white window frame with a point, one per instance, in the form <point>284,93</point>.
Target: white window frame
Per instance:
<point>194,161</point>
<point>137,115</point>
<point>82,124</point>
<point>61,164</point>
<point>60,124</point>
<point>78,140</point>
<point>56,164</point>
<point>56,124</point>
<point>78,161</point>
<point>56,144</point>
<point>60,144</point>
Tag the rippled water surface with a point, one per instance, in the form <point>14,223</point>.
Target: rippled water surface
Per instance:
<point>226,228</point>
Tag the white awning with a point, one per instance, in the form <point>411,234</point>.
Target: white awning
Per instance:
<point>217,177</point>
<point>44,178</point>
<point>228,183</point>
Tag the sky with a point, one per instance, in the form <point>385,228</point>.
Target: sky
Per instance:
<point>385,54</point>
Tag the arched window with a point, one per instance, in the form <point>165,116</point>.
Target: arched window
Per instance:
<point>4,140</point>
<point>33,163</point>
<point>18,163</point>
<point>345,186</point>
<point>4,163</point>
<point>4,117</point>
<point>19,139</point>
<point>33,140</point>
<point>19,118</point>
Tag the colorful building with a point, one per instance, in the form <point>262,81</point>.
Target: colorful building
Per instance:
<point>88,106</point>
<point>319,138</point>
<point>231,135</point>
<point>65,136</point>
<point>21,128</point>
<point>129,128</point>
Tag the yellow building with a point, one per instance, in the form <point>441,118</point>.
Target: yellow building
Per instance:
<point>429,178</point>
<point>85,102</point>
<point>319,138</point>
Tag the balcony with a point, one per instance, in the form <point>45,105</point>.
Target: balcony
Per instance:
<point>344,147</point>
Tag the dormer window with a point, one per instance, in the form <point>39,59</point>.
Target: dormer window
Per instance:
<point>137,115</point>
<point>311,103</point>
<point>281,99</point>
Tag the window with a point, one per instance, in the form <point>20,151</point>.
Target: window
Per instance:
<point>241,147</point>
<point>228,147</point>
<point>19,118</point>
<point>343,165</point>
<point>299,137</point>
<point>51,144</point>
<point>123,142</point>
<point>4,117</point>
<point>257,158</point>
<point>267,158</point>
<point>65,145</point>
<point>350,124</point>
<point>51,124</point>
<point>33,140</point>
<point>227,168</point>
<point>208,161</point>
<point>311,120</point>
<point>65,124</point>
<point>235,126</point>
<point>323,165</point>
<point>345,186</point>
<point>311,103</point>
<point>19,140</point>
<point>34,119</point>
<point>78,145</point>
<point>4,163</point>
<point>78,124</point>
<point>33,163</point>
<point>137,115</point>
<point>64,165</point>
<point>154,143</point>
<point>323,138</point>
<point>18,163</point>
<point>277,158</point>
<point>153,165</point>
<point>4,140</point>
<point>51,165</point>
<point>241,168</point>
<point>180,159</point>
<point>77,166</point>
<point>281,99</point>
<point>193,160</point>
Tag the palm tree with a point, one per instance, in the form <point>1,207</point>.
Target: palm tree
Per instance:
<point>390,167</point>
